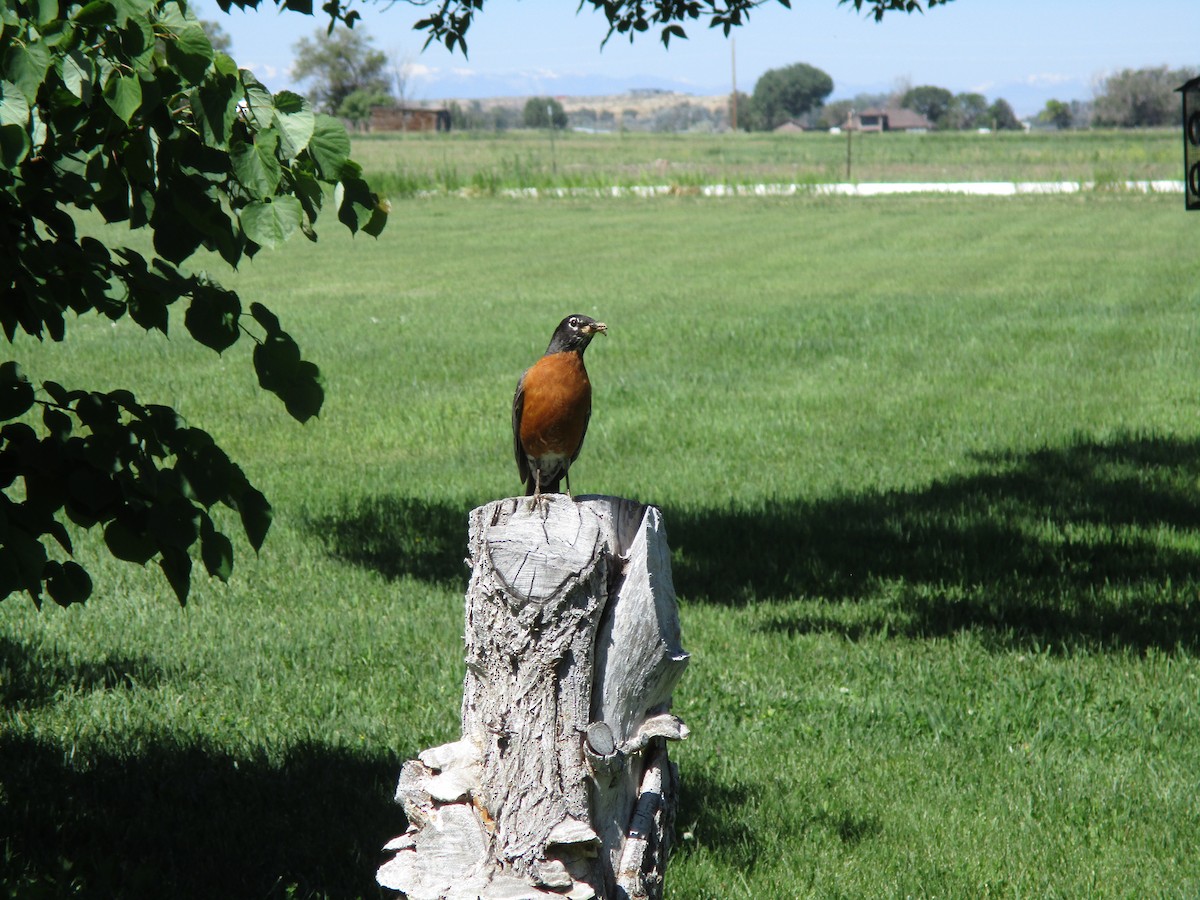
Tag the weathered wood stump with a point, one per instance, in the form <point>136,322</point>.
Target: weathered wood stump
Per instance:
<point>560,785</point>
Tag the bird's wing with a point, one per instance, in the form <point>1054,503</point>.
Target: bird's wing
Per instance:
<point>519,451</point>
<point>582,433</point>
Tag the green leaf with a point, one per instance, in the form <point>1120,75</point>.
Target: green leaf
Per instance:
<point>177,566</point>
<point>256,166</point>
<point>174,523</point>
<point>267,319</point>
<point>123,94</point>
<point>14,107</point>
<point>190,52</point>
<point>258,101</point>
<point>16,393</point>
<point>282,372</point>
<point>68,583</point>
<point>329,146</point>
<point>47,12</point>
<point>27,66</point>
<point>24,560</point>
<point>125,10</point>
<point>98,12</point>
<point>216,550</point>
<point>77,75</point>
<point>276,360</point>
<point>14,145</point>
<point>271,222</point>
<point>212,318</point>
<point>149,309</point>
<point>296,123</point>
<point>210,474</point>
<point>129,545</point>
<point>215,104</point>
<point>304,394</point>
<point>57,423</point>
<point>359,208</point>
<point>137,42</point>
<point>256,515</point>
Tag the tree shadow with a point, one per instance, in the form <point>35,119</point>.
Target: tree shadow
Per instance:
<point>709,817</point>
<point>397,536</point>
<point>31,678</point>
<point>191,822</point>
<point>1095,542</point>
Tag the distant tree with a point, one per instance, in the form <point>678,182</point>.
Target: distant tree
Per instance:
<point>583,118</point>
<point>1140,98</point>
<point>504,117</point>
<point>357,106</point>
<point>1002,116</point>
<point>339,64</point>
<point>744,112</point>
<point>543,112</point>
<point>835,114</point>
<point>967,111</point>
<point>684,116</point>
<point>1056,114</point>
<point>748,116</point>
<point>789,93</point>
<point>932,102</point>
<point>217,36</point>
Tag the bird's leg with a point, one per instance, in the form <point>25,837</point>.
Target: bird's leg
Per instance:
<point>537,488</point>
<point>567,478</point>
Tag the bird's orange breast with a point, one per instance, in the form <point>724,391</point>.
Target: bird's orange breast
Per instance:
<point>558,401</point>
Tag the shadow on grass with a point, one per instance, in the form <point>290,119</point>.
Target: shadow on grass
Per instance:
<point>711,815</point>
<point>398,536</point>
<point>31,679</point>
<point>1095,543</point>
<point>183,821</point>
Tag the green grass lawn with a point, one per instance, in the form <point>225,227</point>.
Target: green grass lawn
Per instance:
<point>930,469</point>
<point>484,163</point>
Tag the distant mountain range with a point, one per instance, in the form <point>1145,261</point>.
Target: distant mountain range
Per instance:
<point>1027,96</point>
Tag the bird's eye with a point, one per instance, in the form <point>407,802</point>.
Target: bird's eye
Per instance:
<point>574,323</point>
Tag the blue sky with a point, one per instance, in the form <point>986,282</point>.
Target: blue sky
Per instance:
<point>1026,51</point>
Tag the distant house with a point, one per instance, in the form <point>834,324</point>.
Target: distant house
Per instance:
<point>407,118</point>
<point>791,126</point>
<point>891,120</point>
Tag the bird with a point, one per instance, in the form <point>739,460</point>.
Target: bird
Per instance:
<point>551,409</point>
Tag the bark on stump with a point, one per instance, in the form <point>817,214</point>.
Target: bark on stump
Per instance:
<point>560,785</point>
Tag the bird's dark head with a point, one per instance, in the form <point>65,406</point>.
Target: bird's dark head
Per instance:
<point>575,333</point>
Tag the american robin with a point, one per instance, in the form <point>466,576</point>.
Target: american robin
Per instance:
<point>551,408</point>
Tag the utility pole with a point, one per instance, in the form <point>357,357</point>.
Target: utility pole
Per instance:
<point>733,100</point>
<point>849,135</point>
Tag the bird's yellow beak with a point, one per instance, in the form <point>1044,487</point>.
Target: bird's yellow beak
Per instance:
<point>595,328</point>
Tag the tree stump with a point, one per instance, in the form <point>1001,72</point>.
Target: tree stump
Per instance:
<point>560,785</point>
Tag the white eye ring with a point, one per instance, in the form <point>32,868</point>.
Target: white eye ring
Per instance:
<point>574,323</point>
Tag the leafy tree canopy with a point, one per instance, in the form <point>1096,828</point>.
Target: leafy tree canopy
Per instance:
<point>544,112</point>
<point>788,93</point>
<point>934,103</point>
<point>967,111</point>
<point>339,65</point>
<point>1002,116</point>
<point>1056,113</point>
<point>125,108</point>
<point>1140,98</point>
